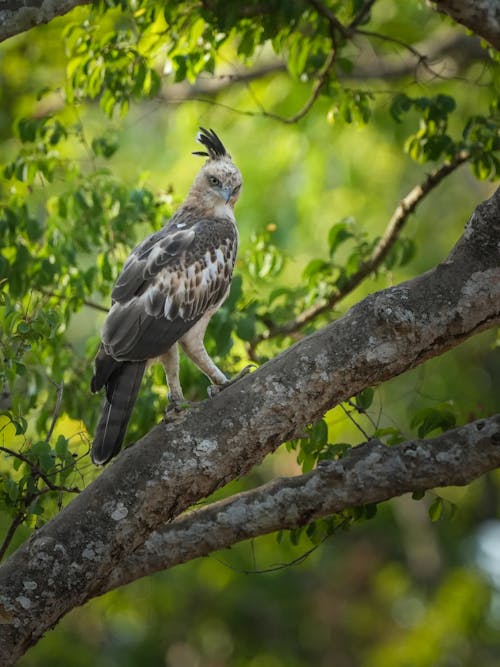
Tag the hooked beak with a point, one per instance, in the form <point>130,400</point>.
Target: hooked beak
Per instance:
<point>226,193</point>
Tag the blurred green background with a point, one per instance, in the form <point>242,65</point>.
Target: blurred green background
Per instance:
<point>398,590</point>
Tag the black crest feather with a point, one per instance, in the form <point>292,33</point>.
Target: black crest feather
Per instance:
<point>212,143</point>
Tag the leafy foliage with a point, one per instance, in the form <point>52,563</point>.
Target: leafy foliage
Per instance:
<point>77,131</point>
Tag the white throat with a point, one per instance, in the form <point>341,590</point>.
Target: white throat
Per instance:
<point>223,210</point>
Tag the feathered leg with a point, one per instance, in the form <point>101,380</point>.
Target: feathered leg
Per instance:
<point>170,362</point>
<point>194,347</point>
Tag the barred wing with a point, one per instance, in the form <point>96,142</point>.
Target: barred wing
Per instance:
<point>169,281</point>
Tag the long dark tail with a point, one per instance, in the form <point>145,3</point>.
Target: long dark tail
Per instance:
<point>121,392</point>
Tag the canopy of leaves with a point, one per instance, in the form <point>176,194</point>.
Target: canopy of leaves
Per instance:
<point>334,112</point>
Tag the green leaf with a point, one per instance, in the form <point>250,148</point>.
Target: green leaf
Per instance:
<point>295,536</point>
<point>408,251</point>
<point>445,103</point>
<point>105,146</point>
<point>365,398</point>
<point>334,451</point>
<point>339,233</point>
<point>345,64</point>
<point>319,434</point>
<point>61,447</point>
<point>436,509</point>
<point>34,229</point>
<point>370,510</point>
<point>245,328</point>
<point>105,266</point>
<point>20,424</point>
<point>401,253</point>
<point>389,435</point>
<point>27,129</point>
<point>429,419</point>
<point>400,104</point>
<point>4,267</point>
<point>42,452</point>
<point>299,49</point>
<point>36,508</point>
<point>315,267</point>
<point>235,292</point>
<point>482,167</point>
<point>11,489</point>
<point>414,148</point>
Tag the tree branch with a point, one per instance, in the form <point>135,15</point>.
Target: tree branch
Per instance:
<point>9,535</point>
<point>335,24</point>
<point>72,557</point>
<point>17,16</point>
<point>370,473</point>
<point>321,82</point>
<point>396,223</point>
<point>480,16</point>
<point>362,15</point>
<point>37,472</point>
<point>61,297</point>
<point>444,58</point>
<point>419,58</point>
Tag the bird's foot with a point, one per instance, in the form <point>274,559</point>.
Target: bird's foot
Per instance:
<point>175,409</point>
<point>215,389</point>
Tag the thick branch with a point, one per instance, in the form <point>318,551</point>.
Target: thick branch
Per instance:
<point>18,16</point>
<point>72,557</point>
<point>371,473</point>
<point>480,16</point>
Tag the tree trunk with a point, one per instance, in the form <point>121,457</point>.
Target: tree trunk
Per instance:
<point>18,16</point>
<point>480,16</point>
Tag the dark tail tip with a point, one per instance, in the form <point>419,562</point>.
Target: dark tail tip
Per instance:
<point>121,392</point>
<point>109,434</point>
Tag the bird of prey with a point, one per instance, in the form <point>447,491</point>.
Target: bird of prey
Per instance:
<point>169,288</point>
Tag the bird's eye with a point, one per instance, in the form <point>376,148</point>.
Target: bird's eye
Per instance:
<point>213,180</point>
<point>236,189</point>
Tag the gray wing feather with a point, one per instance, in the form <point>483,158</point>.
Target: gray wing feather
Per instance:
<point>147,259</point>
<point>169,281</point>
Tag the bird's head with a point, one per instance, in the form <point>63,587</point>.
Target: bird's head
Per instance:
<point>218,184</point>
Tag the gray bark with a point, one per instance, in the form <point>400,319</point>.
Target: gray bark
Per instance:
<point>17,16</point>
<point>73,557</point>
<point>371,473</point>
<point>480,16</point>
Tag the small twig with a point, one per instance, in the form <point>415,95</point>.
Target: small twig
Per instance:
<point>358,426</point>
<point>318,87</point>
<point>16,522</point>
<point>335,24</point>
<point>61,297</point>
<point>39,473</point>
<point>291,120</point>
<point>324,74</point>
<point>362,411</point>
<point>282,566</point>
<point>55,415</point>
<point>274,568</point>
<point>399,218</point>
<point>361,15</point>
<point>29,497</point>
<point>421,58</point>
